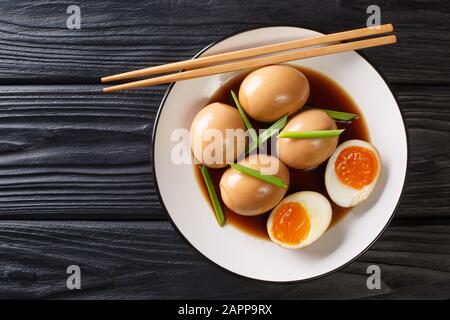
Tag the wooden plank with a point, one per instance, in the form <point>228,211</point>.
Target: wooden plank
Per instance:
<point>71,152</point>
<point>36,47</point>
<point>142,260</point>
<point>428,118</point>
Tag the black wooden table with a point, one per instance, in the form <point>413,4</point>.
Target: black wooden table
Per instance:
<point>75,164</point>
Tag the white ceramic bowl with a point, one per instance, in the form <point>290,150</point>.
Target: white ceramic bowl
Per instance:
<point>241,253</point>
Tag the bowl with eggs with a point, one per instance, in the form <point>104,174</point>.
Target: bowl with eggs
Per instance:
<point>282,173</point>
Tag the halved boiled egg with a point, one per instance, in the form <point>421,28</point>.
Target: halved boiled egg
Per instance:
<point>352,172</point>
<point>299,219</point>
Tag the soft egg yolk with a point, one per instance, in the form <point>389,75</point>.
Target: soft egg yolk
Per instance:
<point>291,223</point>
<point>356,167</point>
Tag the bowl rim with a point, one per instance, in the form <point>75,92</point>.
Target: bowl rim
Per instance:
<point>155,180</point>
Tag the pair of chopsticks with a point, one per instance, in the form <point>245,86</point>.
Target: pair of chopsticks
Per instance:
<point>232,61</point>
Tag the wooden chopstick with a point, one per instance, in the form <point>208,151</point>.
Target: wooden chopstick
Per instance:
<point>255,63</point>
<point>252,52</point>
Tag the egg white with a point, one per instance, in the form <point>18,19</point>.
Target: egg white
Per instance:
<point>344,195</point>
<point>319,212</point>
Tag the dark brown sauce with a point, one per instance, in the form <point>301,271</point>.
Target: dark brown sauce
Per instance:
<point>325,93</point>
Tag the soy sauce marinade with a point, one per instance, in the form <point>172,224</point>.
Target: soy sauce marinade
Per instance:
<point>326,94</point>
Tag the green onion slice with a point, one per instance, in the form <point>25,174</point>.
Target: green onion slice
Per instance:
<point>212,195</point>
<point>269,132</point>
<point>338,115</point>
<point>248,125</point>
<point>311,134</point>
<point>258,175</point>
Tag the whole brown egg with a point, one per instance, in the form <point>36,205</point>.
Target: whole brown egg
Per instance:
<point>269,93</point>
<point>307,153</point>
<point>250,196</point>
<point>210,143</point>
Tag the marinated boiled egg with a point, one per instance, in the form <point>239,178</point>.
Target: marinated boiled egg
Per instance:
<point>299,219</point>
<point>249,196</point>
<point>352,172</point>
<point>217,135</point>
<point>269,93</point>
<point>307,153</point>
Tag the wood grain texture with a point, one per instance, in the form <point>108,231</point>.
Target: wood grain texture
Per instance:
<point>36,46</point>
<point>148,260</point>
<point>69,152</point>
